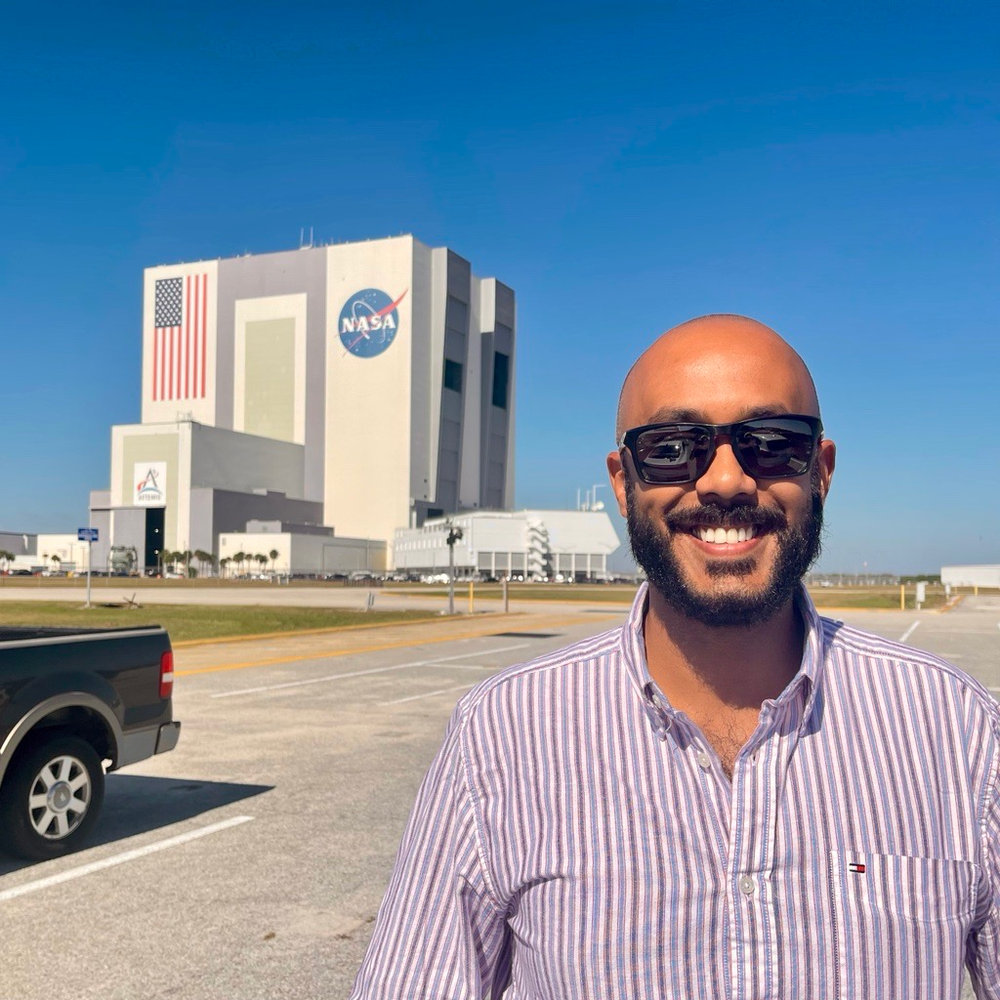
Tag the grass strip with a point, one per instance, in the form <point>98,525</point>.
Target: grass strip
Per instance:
<point>871,599</point>
<point>186,622</point>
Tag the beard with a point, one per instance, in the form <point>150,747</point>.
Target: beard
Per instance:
<point>798,548</point>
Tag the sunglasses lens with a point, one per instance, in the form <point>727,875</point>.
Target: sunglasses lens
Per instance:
<point>675,454</point>
<point>768,448</point>
<point>776,447</point>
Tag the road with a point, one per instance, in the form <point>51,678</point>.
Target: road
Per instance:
<point>250,862</point>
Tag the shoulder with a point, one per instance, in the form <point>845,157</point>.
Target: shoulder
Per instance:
<point>853,656</point>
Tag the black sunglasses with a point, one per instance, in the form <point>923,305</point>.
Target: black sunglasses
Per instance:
<point>766,447</point>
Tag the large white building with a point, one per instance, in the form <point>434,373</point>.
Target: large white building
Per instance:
<point>563,545</point>
<point>982,575</point>
<point>361,387</point>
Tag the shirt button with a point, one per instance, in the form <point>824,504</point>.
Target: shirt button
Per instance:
<point>704,762</point>
<point>746,885</point>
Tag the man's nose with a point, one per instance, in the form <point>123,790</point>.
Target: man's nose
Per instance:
<point>725,480</point>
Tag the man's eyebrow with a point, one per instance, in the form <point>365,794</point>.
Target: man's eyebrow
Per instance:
<point>674,415</point>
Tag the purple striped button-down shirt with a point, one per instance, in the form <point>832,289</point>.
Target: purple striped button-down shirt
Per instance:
<point>577,838</point>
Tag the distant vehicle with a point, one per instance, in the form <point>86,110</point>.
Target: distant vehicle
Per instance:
<point>74,703</point>
<point>434,578</point>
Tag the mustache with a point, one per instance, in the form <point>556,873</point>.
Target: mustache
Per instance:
<point>713,515</point>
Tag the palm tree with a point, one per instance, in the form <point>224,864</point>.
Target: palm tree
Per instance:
<point>203,557</point>
<point>239,558</point>
<point>224,564</point>
<point>261,561</point>
<point>274,553</point>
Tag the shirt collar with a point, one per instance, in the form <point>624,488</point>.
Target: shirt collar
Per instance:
<point>660,712</point>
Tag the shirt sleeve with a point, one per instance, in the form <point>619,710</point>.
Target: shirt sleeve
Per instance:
<point>439,933</point>
<point>984,944</point>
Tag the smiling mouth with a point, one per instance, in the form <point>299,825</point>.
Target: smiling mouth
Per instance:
<point>724,536</point>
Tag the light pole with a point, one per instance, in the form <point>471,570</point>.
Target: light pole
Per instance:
<point>454,534</point>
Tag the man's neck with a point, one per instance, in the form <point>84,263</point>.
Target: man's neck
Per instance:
<point>708,671</point>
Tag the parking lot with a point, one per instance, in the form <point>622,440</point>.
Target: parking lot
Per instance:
<point>250,862</point>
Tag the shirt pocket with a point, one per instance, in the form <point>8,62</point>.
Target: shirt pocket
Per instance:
<point>900,925</point>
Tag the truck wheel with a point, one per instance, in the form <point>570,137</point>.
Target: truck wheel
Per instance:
<point>50,798</point>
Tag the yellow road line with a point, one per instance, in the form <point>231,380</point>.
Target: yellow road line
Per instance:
<point>439,619</point>
<point>331,654</point>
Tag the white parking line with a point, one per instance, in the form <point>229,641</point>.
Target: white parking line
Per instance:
<point>120,859</point>
<point>906,635</point>
<point>427,694</point>
<point>360,673</point>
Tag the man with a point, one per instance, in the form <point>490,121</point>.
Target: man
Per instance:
<point>730,796</point>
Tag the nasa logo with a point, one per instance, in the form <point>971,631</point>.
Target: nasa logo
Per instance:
<point>368,322</point>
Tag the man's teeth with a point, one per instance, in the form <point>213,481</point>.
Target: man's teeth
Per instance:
<point>726,536</point>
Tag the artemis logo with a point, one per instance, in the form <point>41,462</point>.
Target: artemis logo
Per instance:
<point>150,484</point>
<point>368,322</point>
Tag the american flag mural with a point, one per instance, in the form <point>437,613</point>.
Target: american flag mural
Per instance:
<point>179,337</point>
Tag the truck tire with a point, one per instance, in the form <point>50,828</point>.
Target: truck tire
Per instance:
<point>50,798</point>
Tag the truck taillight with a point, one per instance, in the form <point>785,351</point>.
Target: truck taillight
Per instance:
<point>166,674</point>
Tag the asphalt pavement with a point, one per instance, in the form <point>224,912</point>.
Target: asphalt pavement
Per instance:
<point>250,862</point>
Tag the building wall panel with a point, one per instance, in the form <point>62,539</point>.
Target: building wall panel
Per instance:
<point>291,284</point>
<point>368,405</point>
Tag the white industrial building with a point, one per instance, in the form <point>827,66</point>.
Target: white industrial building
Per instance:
<point>45,553</point>
<point>356,388</point>
<point>300,550</point>
<point>571,545</point>
<point>983,575</point>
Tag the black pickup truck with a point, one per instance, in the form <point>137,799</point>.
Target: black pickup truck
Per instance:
<point>73,704</point>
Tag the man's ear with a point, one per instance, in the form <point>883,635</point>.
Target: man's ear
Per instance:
<point>616,473</point>
<point>826,459</point>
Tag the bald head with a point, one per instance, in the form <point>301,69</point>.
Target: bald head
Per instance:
<point>715,369</point>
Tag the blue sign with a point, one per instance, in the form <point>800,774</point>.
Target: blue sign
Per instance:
<point>369,321</point>
<point>86,534</point>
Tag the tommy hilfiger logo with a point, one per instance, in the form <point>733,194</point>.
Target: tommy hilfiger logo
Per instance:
<point>857,867</point>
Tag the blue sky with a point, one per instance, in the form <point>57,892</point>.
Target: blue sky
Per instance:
<point>830,170</point>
